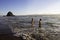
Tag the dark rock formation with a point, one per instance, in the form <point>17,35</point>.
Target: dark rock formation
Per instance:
<point>9,14</point>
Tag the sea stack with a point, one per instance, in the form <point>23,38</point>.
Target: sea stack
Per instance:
<point>9,14</point>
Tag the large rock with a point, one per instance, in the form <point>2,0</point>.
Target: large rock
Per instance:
<point>9,14</point>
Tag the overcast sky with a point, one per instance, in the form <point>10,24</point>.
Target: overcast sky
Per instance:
<point>28,7</point>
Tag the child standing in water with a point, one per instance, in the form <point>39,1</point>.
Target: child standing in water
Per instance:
<point>32,22</point>
<point>40,23</point>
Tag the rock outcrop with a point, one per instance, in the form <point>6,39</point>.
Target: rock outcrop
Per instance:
<point>9,14</point>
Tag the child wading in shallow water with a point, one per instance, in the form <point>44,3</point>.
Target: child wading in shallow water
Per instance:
<point>40,23</point>
<point>32,22</point>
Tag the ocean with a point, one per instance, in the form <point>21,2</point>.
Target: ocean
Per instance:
<point>22,24</point>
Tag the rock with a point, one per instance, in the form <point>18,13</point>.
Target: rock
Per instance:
<point>9,14</point>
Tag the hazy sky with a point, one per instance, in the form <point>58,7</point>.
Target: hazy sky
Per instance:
<point>27,7</point>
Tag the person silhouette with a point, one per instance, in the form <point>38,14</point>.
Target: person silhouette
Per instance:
<point>40,23</point>
<point>32,22</point>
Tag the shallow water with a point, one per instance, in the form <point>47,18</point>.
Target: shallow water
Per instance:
<point>19,24</point>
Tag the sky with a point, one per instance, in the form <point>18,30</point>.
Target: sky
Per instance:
<point>29,7</point>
